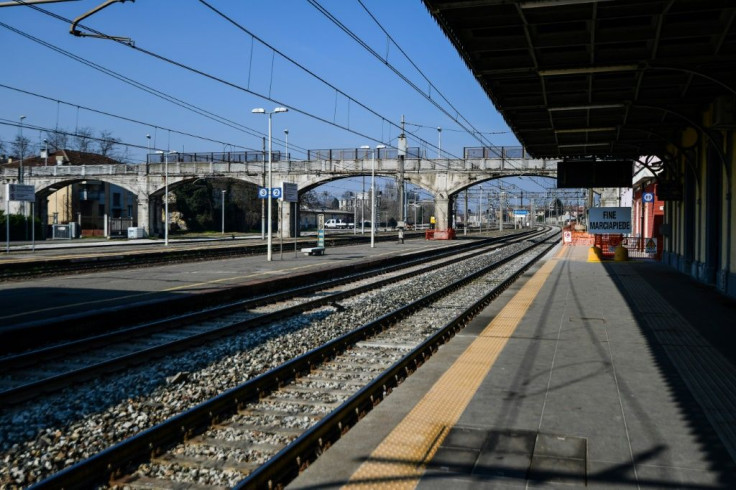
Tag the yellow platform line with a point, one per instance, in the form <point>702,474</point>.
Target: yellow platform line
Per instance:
<point>400,460</point>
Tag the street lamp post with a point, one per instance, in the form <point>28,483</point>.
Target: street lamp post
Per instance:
<point>21,145</point>
<point>373,192</point>
<point>286,133</point>
<point>439,142</point>
<point>46,153</point>
<point>260,110</point>
<point>223,211</point>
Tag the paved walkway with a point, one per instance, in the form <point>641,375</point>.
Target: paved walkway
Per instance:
<point>608,380</point>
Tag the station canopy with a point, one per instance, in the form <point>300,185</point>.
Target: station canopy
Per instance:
<point>599,78</point>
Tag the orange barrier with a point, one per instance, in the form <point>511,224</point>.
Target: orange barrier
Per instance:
<point>608,243</point>
<point>448,234</point>
<point>570,236</point>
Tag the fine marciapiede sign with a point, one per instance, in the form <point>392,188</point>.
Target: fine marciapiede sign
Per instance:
<point>609,220</point>
<point>20,192</point>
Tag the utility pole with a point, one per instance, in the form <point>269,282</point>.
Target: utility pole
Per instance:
<point>465,218</point>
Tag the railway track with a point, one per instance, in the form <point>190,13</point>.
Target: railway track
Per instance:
<point>298,407</point>
<point>41,371</point>
<point>122,258</point>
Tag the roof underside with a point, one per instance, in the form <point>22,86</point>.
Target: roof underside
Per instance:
<point>602,78</point>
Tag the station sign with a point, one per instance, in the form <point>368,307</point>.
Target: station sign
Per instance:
<point>290,192</point>
<point>20,192</point>
<point>609,220</point>
<point>520,212</point>
<point>648,197</point>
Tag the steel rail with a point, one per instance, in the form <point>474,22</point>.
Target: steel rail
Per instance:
<point>24,336</point>
<point>116,460</point>
<point>286,465</point>
<point>43,386</point>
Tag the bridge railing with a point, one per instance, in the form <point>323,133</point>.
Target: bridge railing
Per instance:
<point>74,170</point>
<point>217,157</point>
<point>201,164</point>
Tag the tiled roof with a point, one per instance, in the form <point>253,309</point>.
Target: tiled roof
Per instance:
<point>70,157</point>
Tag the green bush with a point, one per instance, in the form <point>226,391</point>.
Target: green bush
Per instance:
<point>20,227</point>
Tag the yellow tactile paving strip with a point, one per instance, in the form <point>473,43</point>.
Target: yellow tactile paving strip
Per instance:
<point>400,460</point>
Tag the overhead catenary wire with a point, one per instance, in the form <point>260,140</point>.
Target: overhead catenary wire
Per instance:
<point>157,93</point>
<point>122,118</point>
<point>384,60</point>
<point>192,70</point>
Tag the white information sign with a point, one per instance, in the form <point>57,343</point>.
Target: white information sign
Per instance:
<point>609,220</point>
<point>290,192</point>
<point>20,192</point>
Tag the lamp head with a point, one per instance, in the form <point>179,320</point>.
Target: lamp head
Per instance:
<point>281,109</point>
<point>380,147</point>
<point>365,147</point>
<point>259,110</point>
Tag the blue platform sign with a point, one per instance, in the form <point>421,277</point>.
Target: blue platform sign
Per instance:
<point>648,197</point>
<point>263,192</point>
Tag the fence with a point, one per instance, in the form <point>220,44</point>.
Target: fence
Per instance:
<point>637,247</point>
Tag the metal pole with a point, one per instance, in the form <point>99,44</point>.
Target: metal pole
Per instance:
<point>465,228</point>
<point>286,132</point>
<point>362,202</point>
<point>373,199</point>
<point>7,218</point>
<point>268,244</point>
<point>281,228</point>
<point>33,227</point>
<point>223,211</point>
<point>166,199</point>
<point>263,202</point>
<point>20,141</point>
<point>480,214</point>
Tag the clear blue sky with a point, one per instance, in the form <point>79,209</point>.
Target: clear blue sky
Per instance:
<point>190,33</point>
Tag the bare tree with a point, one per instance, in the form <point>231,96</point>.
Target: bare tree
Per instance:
<point>107,143</point>
<point>309,200</point>
<point>20,146</point>
<point>57,140</point>
<point>83,140</point>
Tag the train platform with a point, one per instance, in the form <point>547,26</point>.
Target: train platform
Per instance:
<point>125,291</point>
<point>584,374</point>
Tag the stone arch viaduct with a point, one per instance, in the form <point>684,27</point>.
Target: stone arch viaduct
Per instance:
<point>443,178</point>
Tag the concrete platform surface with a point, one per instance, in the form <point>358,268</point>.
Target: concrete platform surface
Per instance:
<point>617,375</point>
